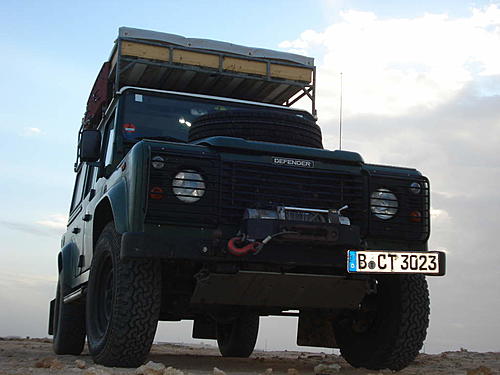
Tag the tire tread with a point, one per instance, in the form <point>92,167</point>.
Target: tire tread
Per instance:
<point>265,126</point>
<point>403,341</point>
<point>136,307</point>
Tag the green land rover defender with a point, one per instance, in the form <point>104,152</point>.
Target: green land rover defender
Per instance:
<point>202,195</point>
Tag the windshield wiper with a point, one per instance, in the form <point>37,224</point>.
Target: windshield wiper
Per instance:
<point>160,138</point>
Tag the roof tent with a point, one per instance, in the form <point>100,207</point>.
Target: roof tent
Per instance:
<point>164,61</point>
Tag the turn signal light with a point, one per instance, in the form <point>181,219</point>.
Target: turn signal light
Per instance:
<point>156,193</point>
<point>415,217</point>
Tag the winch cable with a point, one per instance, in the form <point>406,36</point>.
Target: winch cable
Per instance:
<point>253,247</point>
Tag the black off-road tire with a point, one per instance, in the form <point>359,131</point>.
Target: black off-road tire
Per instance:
<point>123,304</point>
<point>69,325</point>
<point>389,330</point>
<point>266,126</point>
<point>237,337</point>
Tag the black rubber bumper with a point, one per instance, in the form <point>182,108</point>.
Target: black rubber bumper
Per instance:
<point>149,245</point>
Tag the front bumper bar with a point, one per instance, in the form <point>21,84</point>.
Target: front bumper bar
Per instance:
<point>190,247</point>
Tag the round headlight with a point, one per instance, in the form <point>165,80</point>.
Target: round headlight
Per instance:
<point>384,204</point>
<point>188,186</point>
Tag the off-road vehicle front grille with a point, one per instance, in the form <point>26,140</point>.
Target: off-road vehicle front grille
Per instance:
<point>248,185</point>
<point>233,186</point>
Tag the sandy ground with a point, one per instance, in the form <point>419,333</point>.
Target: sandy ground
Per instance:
<point>35,356</point>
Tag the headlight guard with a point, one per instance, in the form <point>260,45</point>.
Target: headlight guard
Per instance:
<point>384,203</point>
<point>188,186</point>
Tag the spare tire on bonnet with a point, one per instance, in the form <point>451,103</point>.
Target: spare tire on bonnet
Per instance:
<point>261,125</point>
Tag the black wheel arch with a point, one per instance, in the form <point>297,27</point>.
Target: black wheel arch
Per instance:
<point>103,214</point>
<point>66,264</point>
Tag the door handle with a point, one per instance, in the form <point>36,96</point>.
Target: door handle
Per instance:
<point>75,230</point>
<point>86,217</point>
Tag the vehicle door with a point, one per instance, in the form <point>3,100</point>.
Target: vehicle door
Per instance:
<point>89,203</point>
<point>75,222</point>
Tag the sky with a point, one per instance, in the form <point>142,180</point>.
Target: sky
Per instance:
<point>421,88</point>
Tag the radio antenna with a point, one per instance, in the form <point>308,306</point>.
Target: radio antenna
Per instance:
<point>340,114</point>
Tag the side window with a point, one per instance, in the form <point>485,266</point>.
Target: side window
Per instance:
<point>91,175</point>
<point>79,182</point>
<point>110,140</point>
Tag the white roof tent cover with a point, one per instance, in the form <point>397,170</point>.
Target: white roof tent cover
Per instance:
<point>172,62</point>
<point>214,45</point>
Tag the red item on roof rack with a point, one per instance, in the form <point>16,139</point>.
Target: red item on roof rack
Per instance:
<point>100,97</point>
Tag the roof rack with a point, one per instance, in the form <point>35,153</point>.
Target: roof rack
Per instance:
<point>171,62</point>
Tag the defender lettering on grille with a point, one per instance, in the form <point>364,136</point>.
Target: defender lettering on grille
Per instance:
<point>293,162</point>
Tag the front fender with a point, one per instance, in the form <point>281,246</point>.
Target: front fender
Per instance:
<point>127,191</point>
<point>68,264</point>
<point>118,199</point>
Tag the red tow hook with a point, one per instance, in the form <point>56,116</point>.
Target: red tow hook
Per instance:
<point>234,249</point>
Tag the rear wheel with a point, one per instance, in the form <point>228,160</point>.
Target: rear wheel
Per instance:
<point>123,304</point>
<point>237,337</point>
<point>389,328</point>
<point>69,325</point>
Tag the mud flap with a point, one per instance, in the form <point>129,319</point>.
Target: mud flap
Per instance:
<point>316,329</point>
<point>204,327</point>
<point>51,316</point>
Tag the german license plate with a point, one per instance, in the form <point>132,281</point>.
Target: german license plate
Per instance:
<point>392,262</point>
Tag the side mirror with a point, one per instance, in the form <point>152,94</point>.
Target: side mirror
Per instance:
<point>90,146</point>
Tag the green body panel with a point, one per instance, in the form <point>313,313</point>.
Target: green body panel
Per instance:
<point>244,146</point>
<point>126,190</point>
<point>375,168</point>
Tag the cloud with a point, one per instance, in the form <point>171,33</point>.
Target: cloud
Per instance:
<point>24,280</point>
<point>27,228</point>
<point>53,225</point>
<point>56,221</point>
<point>393,66</point>
<point>29,132</point>
<point>439,215</point>
<point>302,45</point>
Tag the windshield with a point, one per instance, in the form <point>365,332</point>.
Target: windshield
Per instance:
<point>169,117</point>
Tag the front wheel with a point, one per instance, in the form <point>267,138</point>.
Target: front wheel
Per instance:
<point>123,304</point>
<point>237,337</point>
<point>389,328</point>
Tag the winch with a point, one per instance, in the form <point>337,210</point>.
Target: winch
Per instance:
<point>292,224</point>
